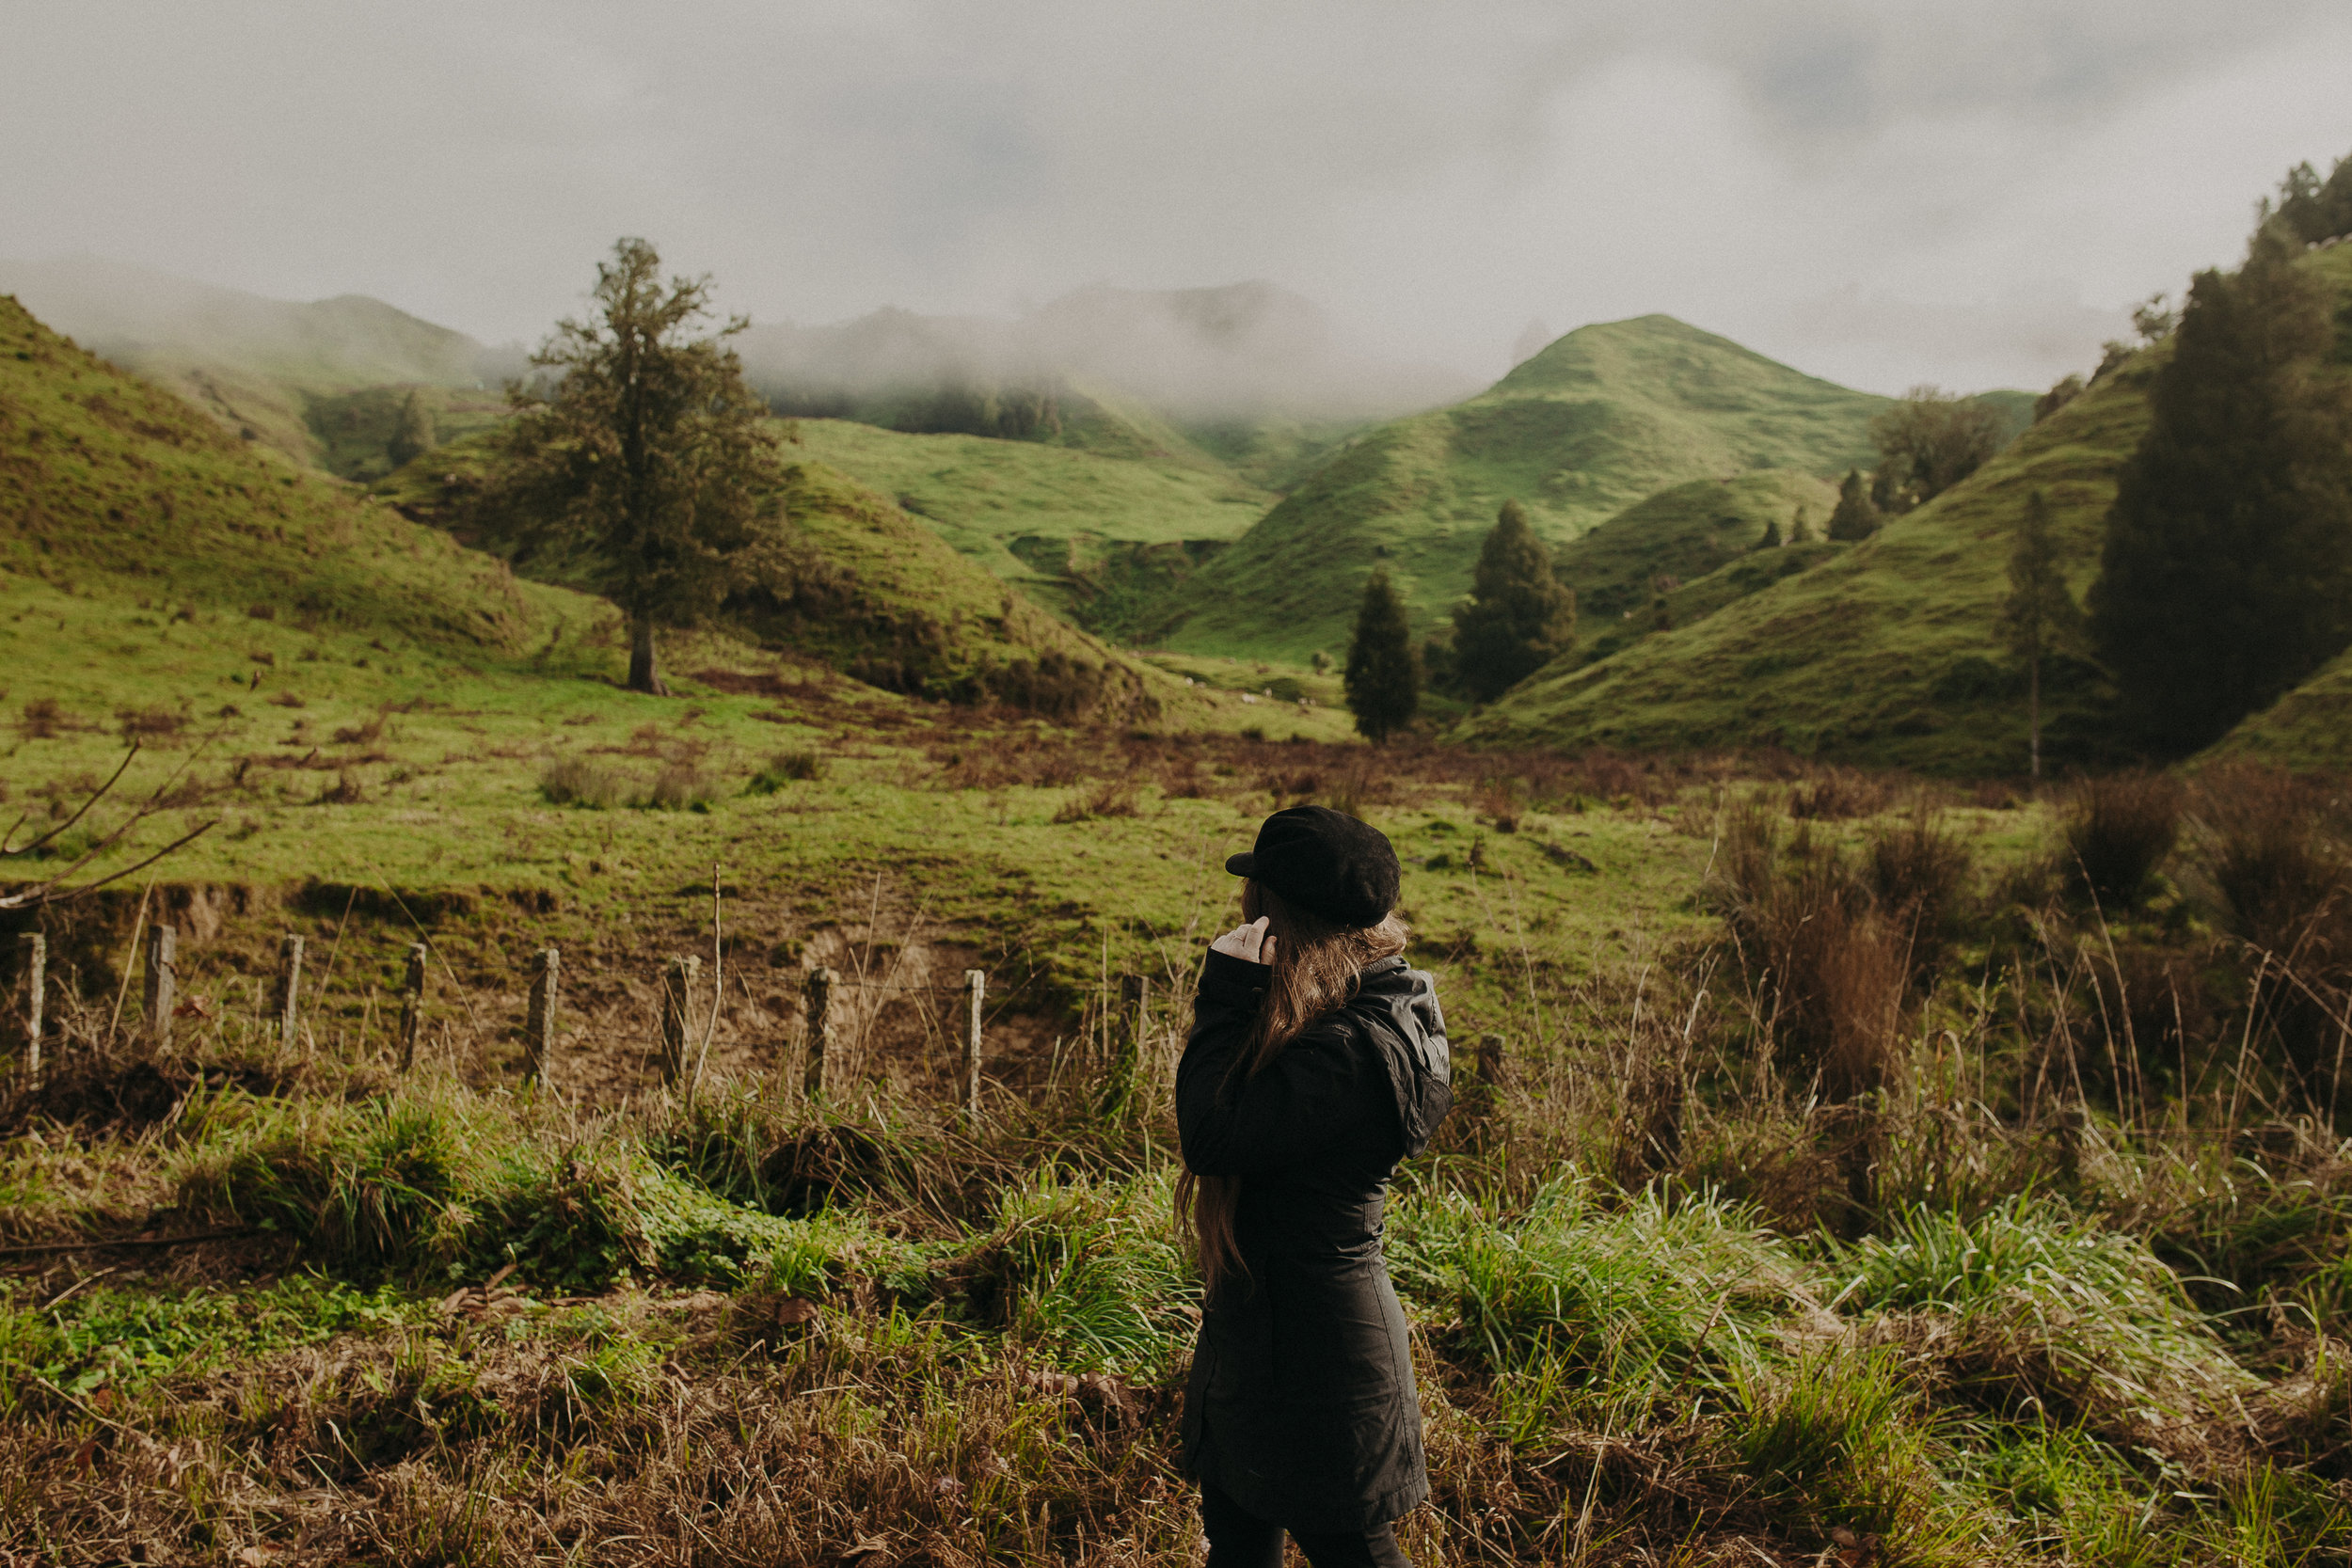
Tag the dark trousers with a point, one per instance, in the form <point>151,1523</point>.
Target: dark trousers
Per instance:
<point>1242,1540</point>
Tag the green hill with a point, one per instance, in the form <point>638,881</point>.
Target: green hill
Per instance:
<point>1604,418</point>
<point>1076,529</point>
<point>1887,654</point>
<point>114,490</point>
<point>319,382</point>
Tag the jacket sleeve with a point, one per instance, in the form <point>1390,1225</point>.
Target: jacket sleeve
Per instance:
<point>1294,1110</point>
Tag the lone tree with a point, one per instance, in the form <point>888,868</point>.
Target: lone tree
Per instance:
<point>1519,617</point>
<point>1929,441</point>
<point>413,436</point>
<point>1856,518</point>
<point>2039,613</point>
<point>1383,678</point>
<point>2226,572</point>
<point>642,456</point>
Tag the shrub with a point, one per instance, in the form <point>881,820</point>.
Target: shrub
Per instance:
<point>1831,969</point>
<point>578,781</point>
<point>789,767</point>
<point>1111,798</point>
<point>2279,868</point>
<point>679,786</point>
<point>2119,828</point>
<point>1918,871</point>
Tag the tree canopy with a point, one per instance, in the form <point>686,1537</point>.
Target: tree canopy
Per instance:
<point>641,451</point>
<point>1518,616</point>
<point>1855,518</point>
<point>1929,441</point>
<point>413,436</point>
<point>1383,675</point>
<point>2225,571</point>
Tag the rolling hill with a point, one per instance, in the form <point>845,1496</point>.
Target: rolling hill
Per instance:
<point>115,491</point>
<point>1887,654</point>
<point>310,380</point>
<point>1604,418</point>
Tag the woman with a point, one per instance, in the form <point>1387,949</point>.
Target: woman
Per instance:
<point>1317,1062</point>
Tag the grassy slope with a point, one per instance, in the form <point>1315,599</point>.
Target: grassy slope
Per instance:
<point>1019,507</point>
<point>1605,417</point>
<point>1686,533</point>
<point>1863,656</point>
<point>1888,655</point>
<point>276,368</point>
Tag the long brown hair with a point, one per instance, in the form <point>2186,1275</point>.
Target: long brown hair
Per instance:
<point>1315,965</point>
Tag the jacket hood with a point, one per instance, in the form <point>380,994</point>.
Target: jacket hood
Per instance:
<point>1398,1005</point>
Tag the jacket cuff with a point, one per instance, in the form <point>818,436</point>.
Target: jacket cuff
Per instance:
<point>1226,978</point>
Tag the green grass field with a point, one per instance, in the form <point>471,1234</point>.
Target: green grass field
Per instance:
<point>2029,1279</point>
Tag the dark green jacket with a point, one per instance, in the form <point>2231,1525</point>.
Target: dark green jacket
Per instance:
<point>1301,1405</point>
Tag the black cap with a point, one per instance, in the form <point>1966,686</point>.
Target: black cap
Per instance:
<point>1325,861</point>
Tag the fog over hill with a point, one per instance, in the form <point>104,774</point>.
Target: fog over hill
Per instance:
<point>1242,349</point>
<point>137,316</point>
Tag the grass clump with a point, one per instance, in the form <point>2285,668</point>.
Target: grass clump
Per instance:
<point>1837,1438</point>
<point>2119,828</point>
<point>1089,1273</point>
<point>2030,1310</point>
<point>578,781</point>
<point>800,766</point>
<point>1586,1309</point>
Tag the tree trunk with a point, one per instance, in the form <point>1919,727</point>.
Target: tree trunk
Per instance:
<point>641,671</point>
<point>2033,714</point>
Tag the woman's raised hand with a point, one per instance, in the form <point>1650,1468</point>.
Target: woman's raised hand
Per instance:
<point>1251,943</point>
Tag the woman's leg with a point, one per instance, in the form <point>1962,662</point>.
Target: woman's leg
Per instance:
<point>1374,1549</point>
<point>1237,1538</point>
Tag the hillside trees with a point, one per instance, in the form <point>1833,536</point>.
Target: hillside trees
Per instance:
<point>413,436</point>
<point>1518,616</point>
<point>1383,678</point>
<point>2226,572</point>
<point>642,456</point>
<point>2039,612</point>
<point>2311,208</point>
<point>1928,442</point>
<point>1854,517</point>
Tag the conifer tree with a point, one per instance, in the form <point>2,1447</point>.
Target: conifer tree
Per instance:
<point>2039,613</point>
<point>1383,678</point>
<point>1519,617</point>
<point>413,436</point>
<point>646,455</point>
<point>1856,518</point>
<point>2226,572</point>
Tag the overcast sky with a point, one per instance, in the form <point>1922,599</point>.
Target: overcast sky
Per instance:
<point>1876,191</point>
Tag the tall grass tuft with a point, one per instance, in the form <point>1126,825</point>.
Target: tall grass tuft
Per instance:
<point>578,781</point>
<point>1839,1437</point>
<point>1832,971</point>
<point>1584,1308</point>
<point>2028,1310</point>
<point>1089,1273</point>
<point>2119,828</point>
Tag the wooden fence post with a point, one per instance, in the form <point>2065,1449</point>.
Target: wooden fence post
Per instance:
<point>289,990</point>
<point>412,1005</point>
<point>974,990</point>
<point>539,1022</point>
<point>677,990</point>
<point>820,983</point>
<point>1135,1003</point>
<point>36,986</point>
<point>162,973</point>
